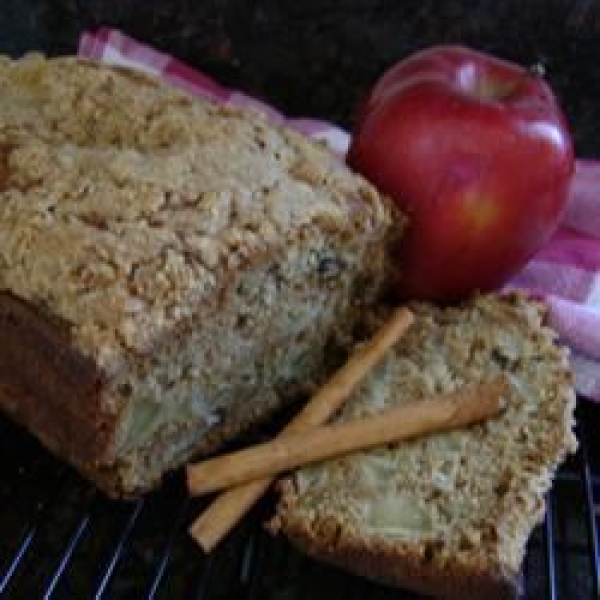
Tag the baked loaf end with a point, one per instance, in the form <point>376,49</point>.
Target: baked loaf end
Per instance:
<point>449,514</point>
<point>169,269</point>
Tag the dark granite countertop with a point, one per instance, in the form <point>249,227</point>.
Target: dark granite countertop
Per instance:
<point>317,58</point>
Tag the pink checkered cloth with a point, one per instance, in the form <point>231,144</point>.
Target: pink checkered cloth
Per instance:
<point>565,273</point>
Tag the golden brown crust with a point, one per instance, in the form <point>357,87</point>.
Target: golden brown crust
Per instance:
<point>405,568</point>
<point>50,401</point>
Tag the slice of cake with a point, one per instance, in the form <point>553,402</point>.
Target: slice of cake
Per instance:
<point>169,270</point>
<point>449,514</point>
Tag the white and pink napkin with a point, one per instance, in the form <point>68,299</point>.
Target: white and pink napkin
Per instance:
<point>566,272</point>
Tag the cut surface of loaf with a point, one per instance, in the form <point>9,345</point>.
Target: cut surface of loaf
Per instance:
<point>170,270</point>
<point>448,514</point>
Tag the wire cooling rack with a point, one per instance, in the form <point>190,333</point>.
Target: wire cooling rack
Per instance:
<point>60,538</point>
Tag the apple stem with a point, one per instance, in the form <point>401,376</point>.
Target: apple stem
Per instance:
<point>537,69</point>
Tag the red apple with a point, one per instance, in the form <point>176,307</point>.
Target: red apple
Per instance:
<point>477,152</point>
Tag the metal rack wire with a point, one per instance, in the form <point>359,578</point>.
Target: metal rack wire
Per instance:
<point>60,538</point>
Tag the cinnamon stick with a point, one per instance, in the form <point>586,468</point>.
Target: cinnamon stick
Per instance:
<point>441,413</point>
<point>220,517</point>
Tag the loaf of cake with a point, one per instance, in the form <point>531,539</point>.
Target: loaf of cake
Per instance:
<point>170,270</point>
<point>448,515</point>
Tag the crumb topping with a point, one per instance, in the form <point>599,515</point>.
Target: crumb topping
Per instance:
<point>124,203</point>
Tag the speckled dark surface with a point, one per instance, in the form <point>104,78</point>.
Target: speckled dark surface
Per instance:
<point>319,57</point>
